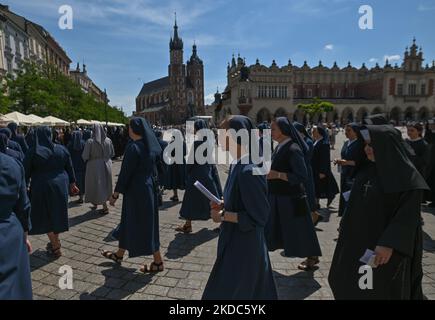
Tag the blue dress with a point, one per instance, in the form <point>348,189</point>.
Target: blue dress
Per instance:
<point>242,270</point>
<point>163,173</point>
<point>351,151</point>
<point>287,228</point>
<point>79,165</point>
<point>195,205</point>
<point>176,173</point>
<point>15,280</point>
<point>50,179</point>
<point>139,229</point>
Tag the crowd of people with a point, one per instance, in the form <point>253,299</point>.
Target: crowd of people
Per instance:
<point>384,179</point>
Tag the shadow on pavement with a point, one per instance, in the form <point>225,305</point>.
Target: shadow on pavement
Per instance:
<point>296,287</point>
<point>88,216</point>
<point>428,243</point>
<point>113,287</point>
<point>183,244</point>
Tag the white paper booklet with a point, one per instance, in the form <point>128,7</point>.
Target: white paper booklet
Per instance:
<point>207,193</point>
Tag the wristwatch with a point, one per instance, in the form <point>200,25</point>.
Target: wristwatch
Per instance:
<point>223,215</point>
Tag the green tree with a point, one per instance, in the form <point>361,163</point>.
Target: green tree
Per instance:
<point>43,90</point>
<point>316,107</point>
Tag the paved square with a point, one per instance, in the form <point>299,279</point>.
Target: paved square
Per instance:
<point>188,259</point>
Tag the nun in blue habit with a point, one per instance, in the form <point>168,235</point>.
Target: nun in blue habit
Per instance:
<point>30,138</point>
<point>242,270</point>
<point>163,172</point>
<point>176,174</point>
<point>290,226</point>
<point>352,157</point>
<point>75,148</point>
<point>18,138</point>
<point>15,280</point>
<point>12,144</point>
<point>195,206</point>
<point>49,167</point>
<point>6,150</point>
<point>138,232</point>
<point>324,182</point>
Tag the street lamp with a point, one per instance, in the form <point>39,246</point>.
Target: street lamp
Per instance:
<point>105,107</point>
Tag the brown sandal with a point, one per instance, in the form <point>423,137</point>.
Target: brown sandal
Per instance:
<point>309,264</point>
<point>154,268</point>
<point>54,253</point>
<point>184,229</point>
<point>112,256</point>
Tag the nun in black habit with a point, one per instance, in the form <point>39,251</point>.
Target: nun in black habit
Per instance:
<point>242,270</point>
<point>420,147</point>
<point>430,138</point>
<point>290,226</point>
<point>311,192</point>
<point>324,182</point>
<point>383,215</point>
<point>138,232</point>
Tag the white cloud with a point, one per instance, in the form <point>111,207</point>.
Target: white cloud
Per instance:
<point>373,60</point>
<point>424,7</point>
<point>391,58</point>
<point>329,47</point>
<point>209,99</point>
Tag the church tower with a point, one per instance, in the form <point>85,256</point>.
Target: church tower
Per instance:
<point>195,89</point>
<point>413,59</point>
<point>177,78</point>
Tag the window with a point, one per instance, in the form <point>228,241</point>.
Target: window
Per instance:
<point>338,93</point>
<point>324,93</point>
<point>352,93</point>
<point>412,90</point>
<point>309,93</point>
<point>242,93</point>
<point>400,89</point>
<point>295,92</point>
<point>9,66</point>
<point>423,89</point>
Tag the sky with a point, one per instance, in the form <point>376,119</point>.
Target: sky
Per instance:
<point>125,43</point>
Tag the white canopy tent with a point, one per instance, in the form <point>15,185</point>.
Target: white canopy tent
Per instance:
<point>54,122</point>
<point>36,119</point>
<point>18,118</point>
<point>83,122</point>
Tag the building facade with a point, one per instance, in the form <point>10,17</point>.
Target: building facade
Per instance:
<point>15,48</point>
<point>23,40</point>
<point>403,92</point>
<point>180,95</point>
<point>88,86</point>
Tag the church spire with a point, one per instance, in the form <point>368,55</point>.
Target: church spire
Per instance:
<point>176,42</point>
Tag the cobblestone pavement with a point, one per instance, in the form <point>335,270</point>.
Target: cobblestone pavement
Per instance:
<point>188,259</point>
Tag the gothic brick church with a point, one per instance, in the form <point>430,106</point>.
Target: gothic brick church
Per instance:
<point>179,96</point>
